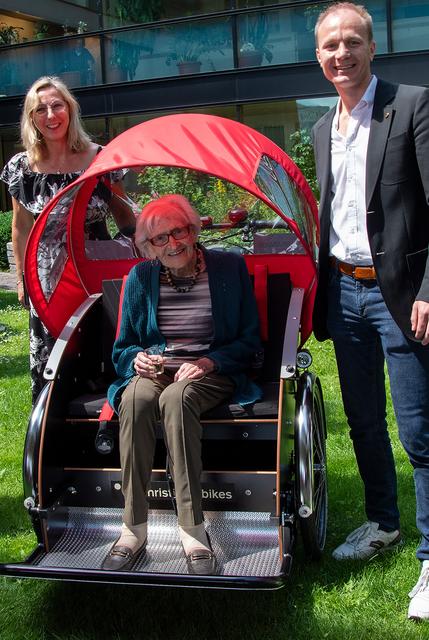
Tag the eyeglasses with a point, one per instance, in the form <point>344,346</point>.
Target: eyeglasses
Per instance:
<point>162,239</point>
<point>55,107</point>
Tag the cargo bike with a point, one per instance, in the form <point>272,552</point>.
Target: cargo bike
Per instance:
<point>264,465</point>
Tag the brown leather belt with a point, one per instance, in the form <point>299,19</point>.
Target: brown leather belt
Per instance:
<point>358,273</point>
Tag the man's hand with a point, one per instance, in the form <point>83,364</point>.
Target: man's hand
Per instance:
<point>194,370</point>
<point>420,321</point>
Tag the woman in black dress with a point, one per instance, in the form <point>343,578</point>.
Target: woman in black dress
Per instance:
<point>57,151</point>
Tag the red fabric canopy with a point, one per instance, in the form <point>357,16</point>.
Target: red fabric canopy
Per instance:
<point>210,144</point>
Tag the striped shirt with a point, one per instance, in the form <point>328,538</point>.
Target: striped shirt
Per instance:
<point>185,320</point>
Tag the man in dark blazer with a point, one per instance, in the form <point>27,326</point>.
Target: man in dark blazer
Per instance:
<point>372,160</point>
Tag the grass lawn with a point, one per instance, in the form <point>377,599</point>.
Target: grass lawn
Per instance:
<point>321,600</point>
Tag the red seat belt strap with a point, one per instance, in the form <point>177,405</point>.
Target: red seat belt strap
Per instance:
<point>261,295</point>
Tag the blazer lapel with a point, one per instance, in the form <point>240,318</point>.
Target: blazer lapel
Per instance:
<point>324,174</point>
<point>382,118</point>
<point>324,153</point>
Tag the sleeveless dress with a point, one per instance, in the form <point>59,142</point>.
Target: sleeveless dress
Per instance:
<point>33,191</point>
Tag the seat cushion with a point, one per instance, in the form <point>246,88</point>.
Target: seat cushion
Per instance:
<point>90,405</point>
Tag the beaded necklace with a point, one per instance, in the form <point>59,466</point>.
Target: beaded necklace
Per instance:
<point>192,279</point>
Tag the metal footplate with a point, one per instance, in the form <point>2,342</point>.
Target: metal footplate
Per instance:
<point>246,547</point>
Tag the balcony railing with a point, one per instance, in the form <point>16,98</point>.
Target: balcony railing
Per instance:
<point>231,40</point>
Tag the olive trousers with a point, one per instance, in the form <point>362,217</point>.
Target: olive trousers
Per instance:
<point>178,405</point>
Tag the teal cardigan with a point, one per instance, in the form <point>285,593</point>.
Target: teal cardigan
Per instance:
<point>235,320</point>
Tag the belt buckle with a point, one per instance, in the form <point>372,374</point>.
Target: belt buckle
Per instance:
<point>361,273</point>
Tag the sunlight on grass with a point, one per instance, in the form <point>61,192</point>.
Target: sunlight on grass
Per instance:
<point>338,601</point>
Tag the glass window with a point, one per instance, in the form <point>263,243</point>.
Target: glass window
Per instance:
<point>97,129</point>
<point>58,19</point>
<point>288,124</point>
<point>311,110</point>
<point>110,219</point>
<point>281,119</point>
<point>286,36</point>
<point>75,60</point>
<point>248,4</point>
<point>175,50</point>
<point>410,25</point>
<point>277,185</point>
<point>277,37</point>
<point>276,120</point>
<point>122,123</point>
<point>377,9</point>
<point>126,12</point>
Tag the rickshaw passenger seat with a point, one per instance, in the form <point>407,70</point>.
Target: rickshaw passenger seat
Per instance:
<point>273,295</point>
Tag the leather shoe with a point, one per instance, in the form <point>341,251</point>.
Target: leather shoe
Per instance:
<point>121,557</point>
<point>201,562</point>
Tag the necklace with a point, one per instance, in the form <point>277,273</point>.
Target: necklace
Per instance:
<point>192,279</point>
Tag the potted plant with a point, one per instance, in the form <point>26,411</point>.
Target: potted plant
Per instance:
<point>138,12</point>
<point>41,30</point>
<point>124,59</point>
<point>253,41</point>
<point>68,29</point>
<point>190,42</point>
<point>9,34</point>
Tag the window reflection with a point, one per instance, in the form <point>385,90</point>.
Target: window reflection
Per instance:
<point>275,183</point>
<point>110,219</point>
<point>168,51</point>
<point>276,36</point>
<point>117,13</point>
<point>76,61</point>
<point>52,251</point>
<point>410,25</point>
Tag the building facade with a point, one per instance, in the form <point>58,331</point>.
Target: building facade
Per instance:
<point>131,60</point>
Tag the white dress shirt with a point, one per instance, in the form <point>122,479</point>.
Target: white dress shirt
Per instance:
<point>348,239</point>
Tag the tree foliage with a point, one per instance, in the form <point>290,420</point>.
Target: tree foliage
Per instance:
<point>302,154</point>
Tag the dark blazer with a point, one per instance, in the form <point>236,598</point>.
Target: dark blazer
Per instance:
<point>397,200</point>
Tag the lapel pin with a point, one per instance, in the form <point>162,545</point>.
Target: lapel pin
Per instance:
<point>387,114</point>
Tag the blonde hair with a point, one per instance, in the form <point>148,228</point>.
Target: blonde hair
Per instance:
<point>337,6</point>
<point>32,140</point>
<point>173,204</point>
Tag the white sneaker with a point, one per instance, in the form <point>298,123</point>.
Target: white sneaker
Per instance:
<point>419,605</point>
<point>366,542</point>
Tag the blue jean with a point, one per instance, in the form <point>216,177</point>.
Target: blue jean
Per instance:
<point>365,335</point>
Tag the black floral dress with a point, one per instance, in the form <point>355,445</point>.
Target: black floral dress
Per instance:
<point>33,191</point>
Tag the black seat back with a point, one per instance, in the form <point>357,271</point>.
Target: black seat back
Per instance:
<point>279,292</point>
<point>111,296</point>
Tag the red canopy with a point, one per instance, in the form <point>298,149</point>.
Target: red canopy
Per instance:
<point>216,146</point>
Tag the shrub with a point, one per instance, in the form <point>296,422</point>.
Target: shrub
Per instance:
<point>209,195</point>
<point>302,154</point>
<point>5,237</point>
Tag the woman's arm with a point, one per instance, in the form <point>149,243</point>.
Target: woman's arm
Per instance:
<point>22,222</point>
<point>122,211</point>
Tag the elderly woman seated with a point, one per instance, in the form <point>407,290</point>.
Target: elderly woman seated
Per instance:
<point>196,307</point>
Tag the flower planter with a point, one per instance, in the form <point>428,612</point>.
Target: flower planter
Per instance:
<point>250,58</point>
<point>193,66</point>
<point>71,78</point>
<point>116,74</point>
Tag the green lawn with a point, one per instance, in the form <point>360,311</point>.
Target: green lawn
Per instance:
<point>321,600</point>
